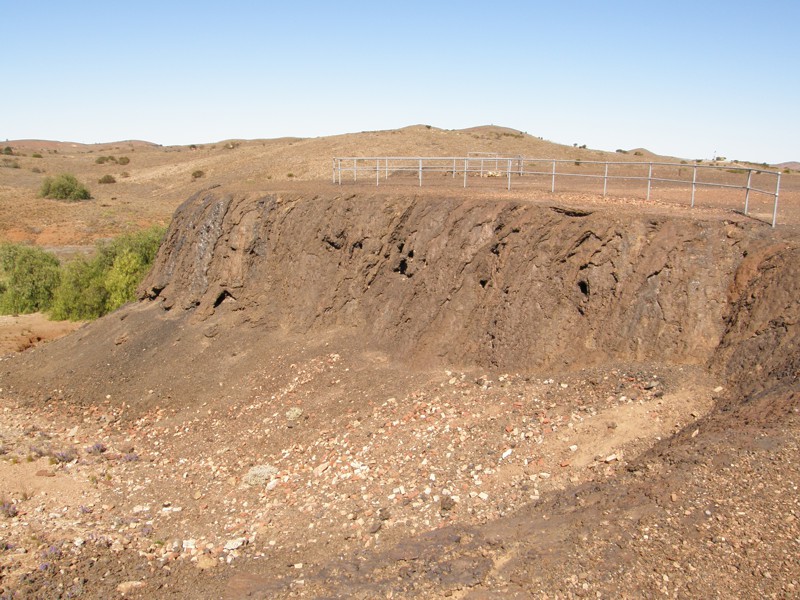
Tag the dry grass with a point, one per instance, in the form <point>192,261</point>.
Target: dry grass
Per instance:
<point>160,178</point>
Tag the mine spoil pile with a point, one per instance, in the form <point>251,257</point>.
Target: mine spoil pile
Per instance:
<point>375,395</point>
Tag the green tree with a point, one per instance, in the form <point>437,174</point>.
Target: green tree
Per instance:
<point>81,294</point>
<point>28,279</point>
<point>93,287</point>
<point>121,281</point>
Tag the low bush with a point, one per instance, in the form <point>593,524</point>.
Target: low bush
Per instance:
<point>32,280</point>
<point>198,174</point>
<point>107,179</point>
<point>123,160</point>
<point>90,288</point>
<point>64,187</point>
<point>36,155</point>
<point>29,277</point>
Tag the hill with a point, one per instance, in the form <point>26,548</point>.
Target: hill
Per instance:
<point>151,181</point>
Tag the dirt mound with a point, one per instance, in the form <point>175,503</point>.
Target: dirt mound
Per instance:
<point>432,281</point>
<point>439,394</point>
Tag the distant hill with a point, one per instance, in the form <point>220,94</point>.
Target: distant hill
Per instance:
<point>50,146</point>
<point>793,165</point>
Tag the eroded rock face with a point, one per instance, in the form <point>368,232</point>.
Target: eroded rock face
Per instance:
<point>494,283</point>
<point>432,281</point>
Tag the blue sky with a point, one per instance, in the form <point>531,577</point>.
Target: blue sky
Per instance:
<point>684,78</point>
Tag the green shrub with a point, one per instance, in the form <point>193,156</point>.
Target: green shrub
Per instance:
<point>198,174</point>
<point>36,155</point>
<point>101,160</point>
<point>107,179</point>
<point>81,294</point>
<point>28,279</point>
<point>123,160</point>
<point>93,287</point>
<point>64,187</point>
<point>8,150</point>
<point>125,274</point>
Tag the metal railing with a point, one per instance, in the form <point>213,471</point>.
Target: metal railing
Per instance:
<point>508,167</point>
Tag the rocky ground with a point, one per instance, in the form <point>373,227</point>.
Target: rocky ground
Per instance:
<point>285,480</point>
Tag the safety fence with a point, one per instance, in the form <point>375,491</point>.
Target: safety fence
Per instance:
<point>519,169</point>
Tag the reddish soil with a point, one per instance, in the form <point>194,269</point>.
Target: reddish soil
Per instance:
<point>412,393</point>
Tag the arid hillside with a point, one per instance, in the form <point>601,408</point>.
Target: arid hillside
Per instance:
<point>151,180</point>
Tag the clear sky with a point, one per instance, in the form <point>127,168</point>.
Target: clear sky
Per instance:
<point>689,79</point>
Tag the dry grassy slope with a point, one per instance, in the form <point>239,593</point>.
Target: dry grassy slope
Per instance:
<point>160,178</point>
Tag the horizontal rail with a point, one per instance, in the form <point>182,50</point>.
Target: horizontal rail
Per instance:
<point>492,165</point>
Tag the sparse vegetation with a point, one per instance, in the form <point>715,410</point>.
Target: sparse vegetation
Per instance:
<point>123,160</point>
<point>8,509</point>
<point>36,155</point>
<point>97,448</point>
<point>290,175</point>
<point>8,150</point>
<point>64,187</point>
<point>66,455</point>
<point>107,179</point>
<point>198,174</point>
<point>621,151</point>
<point>10,163</point>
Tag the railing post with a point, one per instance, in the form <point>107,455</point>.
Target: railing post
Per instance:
<point>694,183</point>
<point>747,192</point>
<point>339,171</point>
<point>355,177</point>
<point>509,175</point>
<point>649,180</point>
<point>605,180</point>
<point>481,167</point>
<point>420,172</point>
<point>553,184</point>
<point>386,164</point>
<point>465,172</point>
<point>775,206</point>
